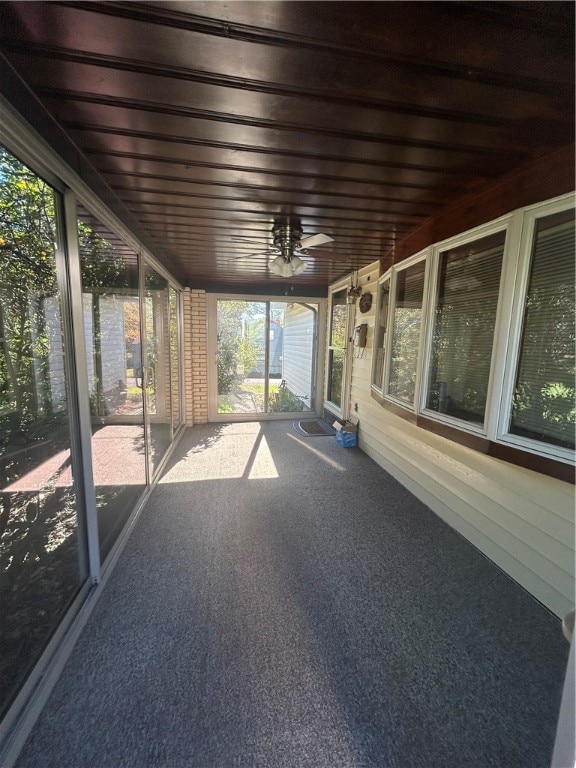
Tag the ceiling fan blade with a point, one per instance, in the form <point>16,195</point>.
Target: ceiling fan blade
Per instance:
<point>313,240</point>
<point>257,253</point>
<point>242,240</point>
<point>330,255</point>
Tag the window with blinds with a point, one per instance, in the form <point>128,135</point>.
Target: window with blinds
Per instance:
<point>380,335</point>
<point>407,321</point>
<point>543,402</point>
<point>463,333</point>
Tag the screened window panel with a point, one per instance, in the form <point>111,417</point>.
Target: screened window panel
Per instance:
<point>109,270</point>
<point>337,348</point>
<point>338,320</point>
<point>43,548</point>
<point>407,321</point>
<point>464,321</point>
<point>380,344</point>
<point>543,403</point>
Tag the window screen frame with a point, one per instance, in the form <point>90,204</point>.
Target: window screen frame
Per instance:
<point>494,436</point>
<point>523,266</point>
<point>421,256</point>
<point>384,283</point>
<point>501,225</point>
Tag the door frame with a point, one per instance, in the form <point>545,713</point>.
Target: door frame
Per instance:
<point>212,347</point>
<point>343,411</point>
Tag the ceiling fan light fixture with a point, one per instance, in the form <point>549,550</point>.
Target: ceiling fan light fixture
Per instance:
<point>298,266</point>
<point>281,267</point>
<point>287,267</point>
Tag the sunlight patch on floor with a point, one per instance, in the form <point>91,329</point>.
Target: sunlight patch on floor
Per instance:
<point>232,456</point>
<point>263,465</point>
<point>319,454</point>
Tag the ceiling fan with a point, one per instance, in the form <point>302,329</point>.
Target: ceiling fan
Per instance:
<point>288,247</point>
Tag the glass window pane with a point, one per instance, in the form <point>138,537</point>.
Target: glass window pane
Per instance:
<point>337,347</point>
<point>42,554</point>
<point>109,272</point>
<point>242,380</point>
<point>407,319</point>
<point>380,335</point>
<point>335,375</point>
<point>338,320</point>
<point>543,405</point>
<point>292,356</point>
<point>465,316</point>
<point>157,364</point>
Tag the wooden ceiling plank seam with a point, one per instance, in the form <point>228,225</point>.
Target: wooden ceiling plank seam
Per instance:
<point>332,221</point>
<point>284,152</point>
<point>264,188</point>
<point>196,241</point>
<point>258,86</point>
<point>245,169</point>
<point>270,124</point>
<point>238,212</point>
<point>250,34</point>
<point>283,204</point>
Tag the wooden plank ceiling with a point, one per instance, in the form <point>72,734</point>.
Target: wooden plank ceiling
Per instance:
<point>213,120</point>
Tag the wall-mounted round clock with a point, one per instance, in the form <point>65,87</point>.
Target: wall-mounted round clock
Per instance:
<point>365,302</point>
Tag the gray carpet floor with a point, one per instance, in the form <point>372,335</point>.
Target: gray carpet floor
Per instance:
<point>283,602</point>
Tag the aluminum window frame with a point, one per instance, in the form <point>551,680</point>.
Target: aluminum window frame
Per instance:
<point>436,251</point>
<point>386,278</point>
<point>424,256</point>
<point>519,227</point>
<point>343,411</point>
<point>212,300</point>
<point>527,220</point>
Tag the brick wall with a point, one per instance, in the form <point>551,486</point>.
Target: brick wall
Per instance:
<point>174,360</point>
<point>187,344</point>
<point>195,357</point>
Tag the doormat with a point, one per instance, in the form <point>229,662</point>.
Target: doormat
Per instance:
<point>315,428</point>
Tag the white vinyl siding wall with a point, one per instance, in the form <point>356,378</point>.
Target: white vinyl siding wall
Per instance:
<point>298,351</point>
<point>522,520</point>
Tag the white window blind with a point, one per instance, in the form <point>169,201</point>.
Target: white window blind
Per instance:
<point>463,335</point>
<point>407,321</point>
<point>543,403</point>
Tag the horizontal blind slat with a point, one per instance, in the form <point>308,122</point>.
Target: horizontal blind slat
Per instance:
<point>544,394</point>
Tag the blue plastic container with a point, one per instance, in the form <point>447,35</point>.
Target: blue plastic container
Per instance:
<point>347,439</point>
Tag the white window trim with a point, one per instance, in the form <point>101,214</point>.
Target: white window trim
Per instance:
<point>385,278</point>
<point>519,226</point>
<point>528,218</point>
<point>212,300</point>
<point>491,228</point>
<point>395,271</point>
<point>343,411</point>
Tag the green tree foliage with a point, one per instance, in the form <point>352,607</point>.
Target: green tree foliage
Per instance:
<point>405,341</point>
<point>27,278</point>
<point>29,284</point>
<point>238,341</point>
<point>545,391</point>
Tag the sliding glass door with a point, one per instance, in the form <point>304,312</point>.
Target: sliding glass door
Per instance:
<point>109,273</point>
<point>242,379</point>
<point>90,402</point>
<point>43,555</point>
<point>160,365</point>
<point>265,357</point>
